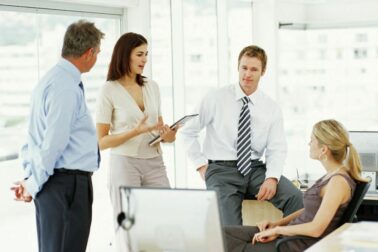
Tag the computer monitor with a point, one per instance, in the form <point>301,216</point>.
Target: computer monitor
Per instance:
<point>171,220</point>
<point>366,143</point>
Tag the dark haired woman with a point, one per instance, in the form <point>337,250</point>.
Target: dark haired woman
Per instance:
<point>128,116</point>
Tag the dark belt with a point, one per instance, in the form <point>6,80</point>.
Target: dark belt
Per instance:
<point>224,162</point>
<point>72,172</point>
<point>230,162</point>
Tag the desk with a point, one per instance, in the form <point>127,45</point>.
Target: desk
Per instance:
<point>254,211</point>
<point>333,242</point>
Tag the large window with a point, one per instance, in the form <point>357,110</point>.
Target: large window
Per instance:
<point>332,73</point>
<point>30,44</point>
<point>161,55</point>
<point>188,53</point>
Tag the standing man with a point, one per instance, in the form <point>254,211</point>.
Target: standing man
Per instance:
<point>242,123</point>
<point>61,151</point>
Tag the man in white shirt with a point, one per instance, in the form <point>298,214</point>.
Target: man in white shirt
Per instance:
<point>242,123</point>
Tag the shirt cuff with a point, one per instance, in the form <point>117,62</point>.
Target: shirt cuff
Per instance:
<point>200,162</point>
<point>31,186</point>
<point>273,175</point>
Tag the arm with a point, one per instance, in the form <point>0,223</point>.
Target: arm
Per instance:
<point>59,112</point>
<point>190,132</point>
<point>275,156</point>
<point>276,148</point>
<point>108,141</point>
<point>336,193</point>
<point>282,222</point>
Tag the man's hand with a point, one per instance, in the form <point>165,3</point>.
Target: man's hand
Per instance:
<point>20,192</point>
<point>202,171</point>
<point>267,190</point>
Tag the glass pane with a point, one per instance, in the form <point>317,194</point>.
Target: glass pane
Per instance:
<point>18,75</point>
<point>32,46</point>
<point>332,74</point>
<point>161,60</point>
<point>240,16</point>
<point>200,59</point>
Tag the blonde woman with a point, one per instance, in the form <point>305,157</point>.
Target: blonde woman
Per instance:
<point>324,203</point>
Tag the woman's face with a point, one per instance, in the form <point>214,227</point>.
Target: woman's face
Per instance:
<point>315,148</point>
<point>138,59</point>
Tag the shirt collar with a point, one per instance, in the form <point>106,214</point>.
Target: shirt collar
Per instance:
<point>239,94</point>
<point>71,68</point>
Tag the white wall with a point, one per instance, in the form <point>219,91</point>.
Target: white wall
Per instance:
<point>266,16</point>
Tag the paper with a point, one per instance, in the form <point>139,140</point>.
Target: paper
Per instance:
<point>361,235</point>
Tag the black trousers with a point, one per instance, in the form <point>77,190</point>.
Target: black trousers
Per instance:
<point>64,213</point>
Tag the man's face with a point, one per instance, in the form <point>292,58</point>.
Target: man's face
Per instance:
<point>250,72</point>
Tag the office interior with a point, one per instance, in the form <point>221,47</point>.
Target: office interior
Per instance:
<point>322,63</point>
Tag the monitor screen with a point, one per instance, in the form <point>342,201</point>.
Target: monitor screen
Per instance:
<point>366,143</point>
<point>172,220</point>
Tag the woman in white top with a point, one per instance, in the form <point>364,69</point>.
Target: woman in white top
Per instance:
<point>128,116</point>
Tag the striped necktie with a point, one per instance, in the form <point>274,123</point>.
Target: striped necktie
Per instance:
<point>244,148</point>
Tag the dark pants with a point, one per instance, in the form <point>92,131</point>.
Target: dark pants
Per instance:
<point>239,239</point>
<point>233,188</point>
<point>64,213</point>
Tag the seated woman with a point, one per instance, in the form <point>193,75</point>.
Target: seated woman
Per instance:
<point>324,203</point>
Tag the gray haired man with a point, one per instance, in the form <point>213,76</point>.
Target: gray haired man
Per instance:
<point>61,152</point>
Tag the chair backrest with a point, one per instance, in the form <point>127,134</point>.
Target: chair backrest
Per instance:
<point>354,204</point>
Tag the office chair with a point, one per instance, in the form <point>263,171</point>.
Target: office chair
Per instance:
<point>348,216</point>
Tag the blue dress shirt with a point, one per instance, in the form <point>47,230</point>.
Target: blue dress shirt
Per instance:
<point>61,133</point>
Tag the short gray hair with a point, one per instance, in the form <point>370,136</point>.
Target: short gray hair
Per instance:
<point>81,36</point>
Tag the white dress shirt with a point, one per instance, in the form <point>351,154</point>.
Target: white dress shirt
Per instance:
<point>219,113</point>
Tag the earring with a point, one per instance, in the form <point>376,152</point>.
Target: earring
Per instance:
<point>323,157</point>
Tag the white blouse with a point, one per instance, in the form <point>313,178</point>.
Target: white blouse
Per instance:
<point>116,107</point>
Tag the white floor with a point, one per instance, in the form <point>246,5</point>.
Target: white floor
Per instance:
<point>17,219</point>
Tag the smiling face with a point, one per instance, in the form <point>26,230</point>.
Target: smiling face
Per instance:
<point>138,59</point>
<point>250,72</point>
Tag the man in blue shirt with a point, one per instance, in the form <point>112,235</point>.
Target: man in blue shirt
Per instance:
<point>62,151</point>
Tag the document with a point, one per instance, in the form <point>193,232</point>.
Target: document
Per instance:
<point>361,235</point>
<point>179,122</point>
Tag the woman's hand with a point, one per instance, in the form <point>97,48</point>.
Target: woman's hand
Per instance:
<point>265,224</point>
<point>167,134</point>
<point>143,127</point>
<point>265,236</point>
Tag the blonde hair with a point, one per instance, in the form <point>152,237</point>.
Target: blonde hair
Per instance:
<point>334,135</point>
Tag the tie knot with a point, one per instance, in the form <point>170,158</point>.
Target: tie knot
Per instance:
<point>81,85</point>
<point>245,100</point>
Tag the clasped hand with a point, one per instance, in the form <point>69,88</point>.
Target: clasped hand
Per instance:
<point>268,232</point>
<point>20,192</point>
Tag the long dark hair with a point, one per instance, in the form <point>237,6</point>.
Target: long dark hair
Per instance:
<point>120,62</point>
